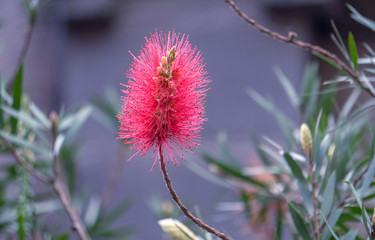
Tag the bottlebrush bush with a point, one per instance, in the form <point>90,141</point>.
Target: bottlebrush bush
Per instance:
<point>316,184</point>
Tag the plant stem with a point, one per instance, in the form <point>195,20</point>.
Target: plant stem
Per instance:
<point>181,205</point>
<point>315,200</point>
<point>62,194</point>
<point>291,39</point>
<point>60,187</point>
<point>22,55</point>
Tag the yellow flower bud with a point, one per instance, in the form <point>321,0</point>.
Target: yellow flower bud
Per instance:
<point>164,60</point>
<point>306,140</point>
<point>176,229</point>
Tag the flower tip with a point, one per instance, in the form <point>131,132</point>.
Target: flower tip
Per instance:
<point>176,229</point>
<point>306,139</point>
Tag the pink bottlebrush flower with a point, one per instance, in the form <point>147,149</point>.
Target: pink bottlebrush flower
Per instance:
<point>163,106</point>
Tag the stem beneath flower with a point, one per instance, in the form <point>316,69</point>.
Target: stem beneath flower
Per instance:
<point>315,200</point>
<point>181,205</point>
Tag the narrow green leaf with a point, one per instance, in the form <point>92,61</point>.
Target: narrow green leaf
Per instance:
<point>365,217</point>
<point>255,140</point>
<point>353,51</point>
<point>23,143</point>
<point>309,91</point>
<point>1,103</point>
<point>276,235</point>
<point>22,117</point>
<point>369,49</point>
<point>351,235</point>
<point>284,123</point>
<point>279,223</point>
<point>78,120</point>
<point>370,70</point>
<point>298,221</point>
<point>288,87</point>
<point>361,19</point>
<point>21,225</point>
<point>332,220</point>
<point>329,227</point>
<point>306,197</point>
<point>43,119</point>
<point>328,195</point>
<point>207,175</point>
<point>64,236</point>
<point>337,39</point>
<point>236,173</point>
<point>17,94</point>
<point>294,167</point>
<point>369,176</point>
<point>331,62</point>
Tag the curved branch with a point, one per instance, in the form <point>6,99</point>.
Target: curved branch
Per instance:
<point>183,208</point>
<point>291,40</point>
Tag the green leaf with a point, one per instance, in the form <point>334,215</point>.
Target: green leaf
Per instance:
<point>337,39</point>
<point>353,51</point>
<point>294,167</point>
<point>22,117</point>
<point>309,89</point>
<point>43,119</point>
<point>2,89</point>
<point>21,226</point>
<point>288,87</point>
<point>361,19</point>
<point>61,237</point>
<point>331,221</point>
<point>276,235</point>
<point>351,235</point>
<point>279,223</point>
<point>369,176</point>
<point>75,122</point>
<point>298,221</point>
<point>306,197</point>
<point>370,70</point>
<point>330,229</point>
<point>331,62</point>
<point>285,124</point>
<point>207,175</point>
<point>365,217</point>
<point>17,94</point>
<point>233,172</point>
<point>23,143</point>
<point>255,140</point>
<point>107,108</point>
<point>328,195</point>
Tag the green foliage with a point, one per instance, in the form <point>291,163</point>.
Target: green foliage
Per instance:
<point>340,152</point>
<point>17,93</point>
<point>38,140</point>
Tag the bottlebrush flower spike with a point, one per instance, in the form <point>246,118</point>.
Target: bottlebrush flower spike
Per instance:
<point>163,106</point>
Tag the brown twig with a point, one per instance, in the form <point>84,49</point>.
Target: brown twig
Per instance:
<point>22,55</point>
<point>76,221</point>
<point>182,206</point>
<point>60,187</point>
<point>315,201</point>
<point>291,40</point>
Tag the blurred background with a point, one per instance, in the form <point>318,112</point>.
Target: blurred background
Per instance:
<point>79,50</point>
